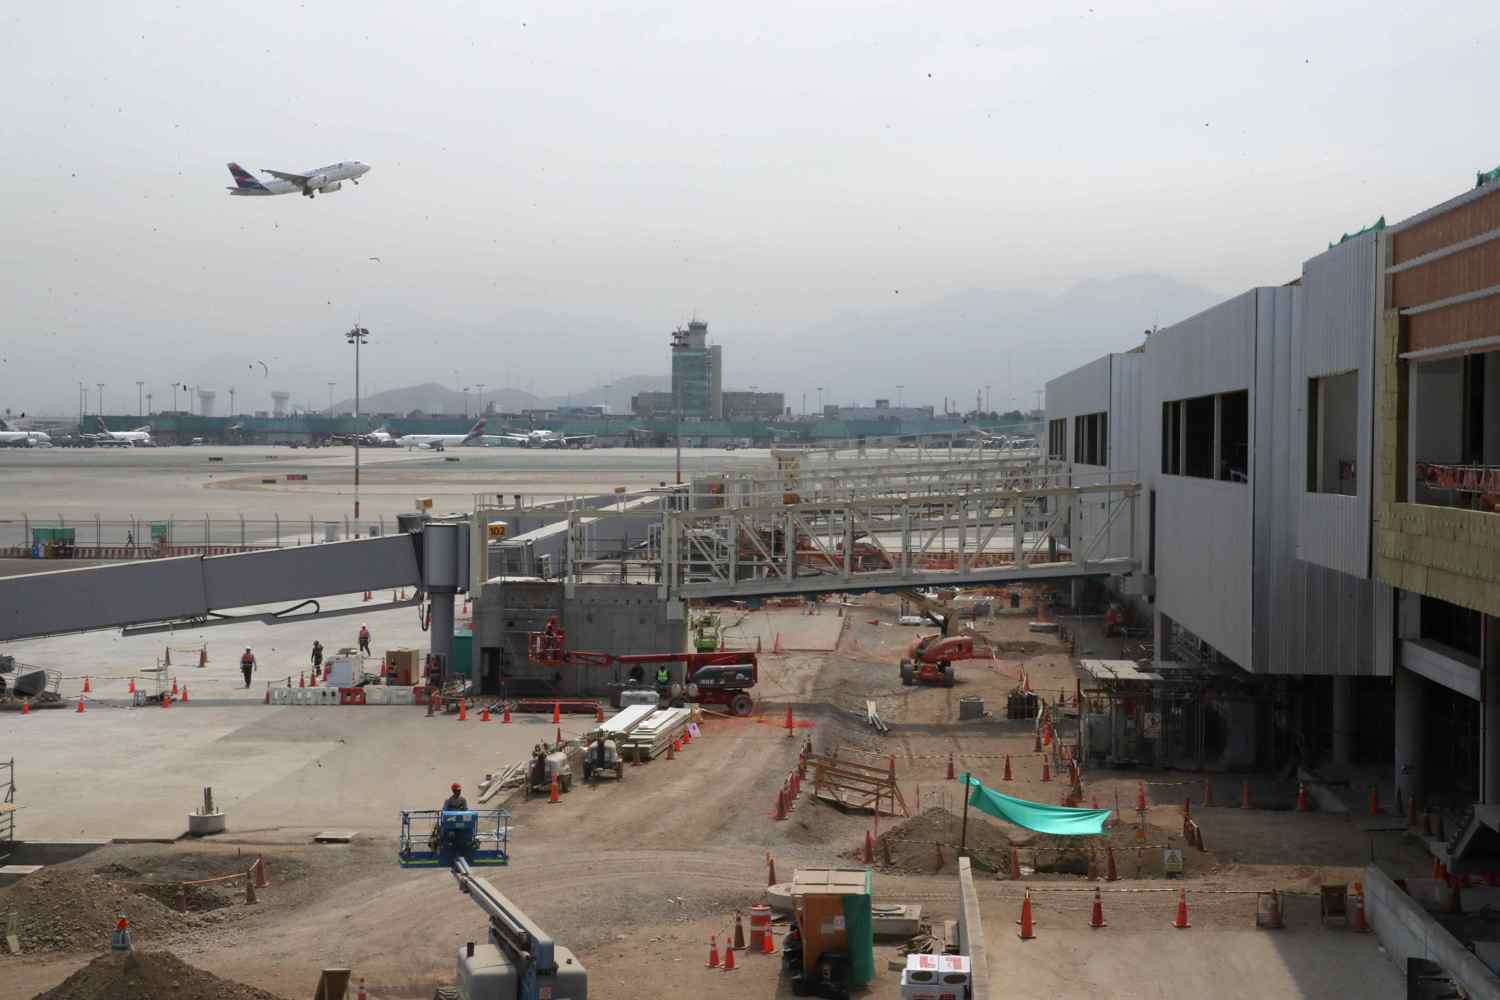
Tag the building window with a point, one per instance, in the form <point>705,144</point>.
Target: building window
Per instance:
<point>1207,437</point>
<point>1234,436</point>
<point>1332,433</point>
<point>1057,439</point>
<point>1451,625</point>
<point>1198,437</point>
<point>1091,439</point>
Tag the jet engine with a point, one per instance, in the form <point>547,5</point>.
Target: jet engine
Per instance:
<point>330,188</point>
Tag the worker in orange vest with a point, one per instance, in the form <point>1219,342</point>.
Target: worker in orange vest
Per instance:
<point>364,639</point>
<point>247,665</point>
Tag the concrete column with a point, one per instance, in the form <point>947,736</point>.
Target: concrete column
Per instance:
<point>440,634</point>
<point>1411,692</point>
<point>1343,720</point>
<point>1489,711</point>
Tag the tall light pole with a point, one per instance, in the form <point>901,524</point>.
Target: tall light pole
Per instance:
<point>330,397</point>
<point>480,387</point>
<point>148,402</point>
<point>101,397</point>
<point>466,402</point>
<point>232,410</point>
<point>356,336</point>
<point>83,396</point>
<point>140,387</point>
<point>987,407</point>
<point>820,401</point>
<point>898,395</point>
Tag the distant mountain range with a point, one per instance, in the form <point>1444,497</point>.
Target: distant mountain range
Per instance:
<point>946,349</point>
<point>432,397</point>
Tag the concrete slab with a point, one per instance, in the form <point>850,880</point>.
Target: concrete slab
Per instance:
<point>798,630</point>
<point>335,836</point>
<point>277,772</point>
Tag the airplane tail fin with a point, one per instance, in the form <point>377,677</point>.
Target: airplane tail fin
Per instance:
<point>476,431</point>
<point>243,179</point>
<point>4,426</point>
<point>100,422</point>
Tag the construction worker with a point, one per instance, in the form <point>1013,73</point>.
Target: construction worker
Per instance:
<point>456,802</point>
<point>663,679</point>
<point>317,655</point>
<point>364,639</point>
<point>247,665</point>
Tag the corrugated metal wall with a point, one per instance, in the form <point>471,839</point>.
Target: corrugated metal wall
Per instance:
<point>1308,618</point>
<point>1203,541</point>
<point>1335,334</point>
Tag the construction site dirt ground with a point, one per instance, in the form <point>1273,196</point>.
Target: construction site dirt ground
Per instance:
<point>635,876</point>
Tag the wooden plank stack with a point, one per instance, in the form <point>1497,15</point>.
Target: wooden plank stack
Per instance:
<point>651,737</point>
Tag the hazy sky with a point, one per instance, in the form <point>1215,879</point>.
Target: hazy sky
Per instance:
<point>554,189</point>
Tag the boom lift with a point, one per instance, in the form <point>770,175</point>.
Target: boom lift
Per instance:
<point>520,961</point>
<point>720,678</point>
<point>929,659</point>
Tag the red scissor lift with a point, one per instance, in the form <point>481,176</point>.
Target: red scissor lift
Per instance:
<point>720,678</point>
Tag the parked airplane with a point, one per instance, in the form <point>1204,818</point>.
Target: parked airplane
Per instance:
<point>140,437</point>
<point>543,439</point>
<point>322,180</point>
<point>437,442</point>
<point>381,438</point>
<point>22,439</point>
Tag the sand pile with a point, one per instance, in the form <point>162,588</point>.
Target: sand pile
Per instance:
<point>149,975</point>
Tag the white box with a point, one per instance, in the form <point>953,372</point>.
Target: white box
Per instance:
<point>342,672</point>
<point>935,977</point>
<point>397,696</point>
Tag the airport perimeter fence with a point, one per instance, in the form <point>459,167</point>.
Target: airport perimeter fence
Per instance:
<point>145,535</point>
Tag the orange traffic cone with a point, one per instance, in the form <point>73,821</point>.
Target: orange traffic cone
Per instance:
<point>301,680</point>
<point>80,704</point>
<point>713,951</point>
<point>598,713</point>
<point>1244,795</point>
<point>780,813</point>
<point>739,931</point>
<point>788,725</point>
<point>367,595</point>
<point>87,687</point>
<point>174,685</point>
<point>1028,929</point>
<point>132,685</point>
<point>484,714</point>
<point>166,701</point>
<point>558,741</point>
<point>1046,770</point>
<point>553,796</point>
<point>770,869</point>
<point>463,710</point>
<point>1302,798</point>
<point>556,713</point>
<point>768,942</point>
<point>1181,922</point>
<point>687,737</point>
<point>184,694</point>
<point>25,708</point>
<point>1038,747</point>
<point>1096,919</point>
<point>1007,767</point>
<point>869,855</point>
<point>506,716</point>
<point>259,874</point>
<point>1112,875</point>
<point>728,957</point>
<point>951,775</point>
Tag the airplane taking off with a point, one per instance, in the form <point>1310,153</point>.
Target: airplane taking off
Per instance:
<point>22,439</point>
<point>324,180</point>
<point>543,439</point>
<point>436,442</point>
<point>140,437</point>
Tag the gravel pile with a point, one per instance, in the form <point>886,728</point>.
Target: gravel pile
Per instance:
<point>150,975</point>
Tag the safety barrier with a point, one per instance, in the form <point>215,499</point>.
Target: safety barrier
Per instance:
<point>372,695</point>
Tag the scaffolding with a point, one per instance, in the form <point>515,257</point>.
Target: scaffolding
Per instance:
<point>7,806</point>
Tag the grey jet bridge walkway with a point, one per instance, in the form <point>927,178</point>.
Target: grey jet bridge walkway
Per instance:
<point>976,535</point>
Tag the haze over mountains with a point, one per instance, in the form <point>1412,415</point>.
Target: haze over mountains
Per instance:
<point>951,347</point>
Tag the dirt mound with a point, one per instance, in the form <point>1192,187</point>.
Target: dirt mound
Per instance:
<point>912,846</point>
<point>73,908</point>
<point>148,975</point>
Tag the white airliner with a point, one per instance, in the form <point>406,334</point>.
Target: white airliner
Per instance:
<point>543,439</point>
<point>140,437</point>
<point>22,439</point>
<point>322,180</point>
<point>437,442</point>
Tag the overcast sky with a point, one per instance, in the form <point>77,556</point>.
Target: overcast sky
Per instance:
<point>553,189</point>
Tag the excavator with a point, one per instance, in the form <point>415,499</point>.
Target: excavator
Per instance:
<point>929,659</point>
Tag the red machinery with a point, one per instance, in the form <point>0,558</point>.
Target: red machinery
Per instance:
<point>719,678</point>
<point>930,658</point>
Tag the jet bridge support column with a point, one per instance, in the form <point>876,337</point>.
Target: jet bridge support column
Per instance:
<point>445,557</point>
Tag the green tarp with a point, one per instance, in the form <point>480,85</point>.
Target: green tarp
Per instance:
<point>859,925</point>
<point>1059,820</point>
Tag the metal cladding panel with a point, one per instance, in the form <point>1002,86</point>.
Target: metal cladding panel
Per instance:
<point>75,600</point>
<point>1125,419</point>
<point>1307,618</point>
<point>1204,530</point>
<point>1082,390</point>
<point>278,575</point>
<point>1336,334</point>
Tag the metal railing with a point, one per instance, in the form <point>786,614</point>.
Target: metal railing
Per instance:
<point>145,534</point>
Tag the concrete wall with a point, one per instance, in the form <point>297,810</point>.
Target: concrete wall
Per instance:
<point>971,931</point>
<point>1407,931</point>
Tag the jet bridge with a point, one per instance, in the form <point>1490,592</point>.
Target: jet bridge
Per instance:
<point>431,557</point>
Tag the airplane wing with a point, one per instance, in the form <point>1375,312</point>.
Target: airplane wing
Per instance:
<point>519,438</point>
<point>570,438</point>
<point>298,179</point>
